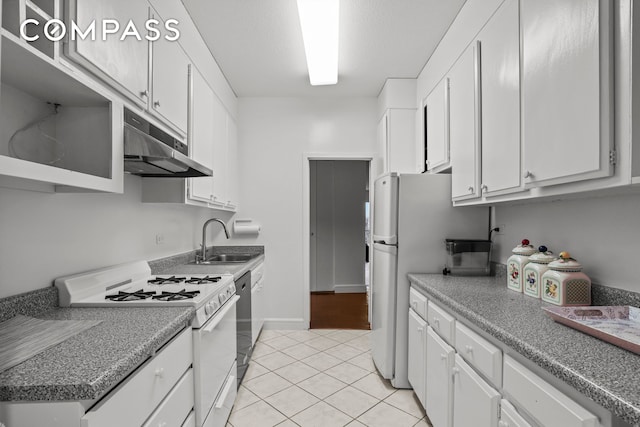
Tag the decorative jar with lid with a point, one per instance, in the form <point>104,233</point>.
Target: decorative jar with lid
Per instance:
<point>565,284</point>
<point>533,271</point>
<point>516,263</point>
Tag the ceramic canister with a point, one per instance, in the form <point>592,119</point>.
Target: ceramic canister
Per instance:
<point>516,263</point>
<point>565,284</point>
<point>533,271</point>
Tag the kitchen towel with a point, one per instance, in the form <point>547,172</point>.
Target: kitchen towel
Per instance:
<point>22,337</point>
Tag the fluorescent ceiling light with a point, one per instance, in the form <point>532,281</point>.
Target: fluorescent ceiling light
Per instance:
<point>319,22</point>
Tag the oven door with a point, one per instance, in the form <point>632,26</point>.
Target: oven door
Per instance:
<point>214,353</point>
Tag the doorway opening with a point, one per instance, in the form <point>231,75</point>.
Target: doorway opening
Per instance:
<point>338,244</point>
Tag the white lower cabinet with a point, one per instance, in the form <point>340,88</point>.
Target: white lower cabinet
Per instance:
<point>464,380</point>
<point>417,355</point>
<point>257,310</point>
<point>439,388</point>
<point>509,416</point>
<point>546,404</point>
<point>132,402</point>
<point>475,402</point>
<point>176,406</point>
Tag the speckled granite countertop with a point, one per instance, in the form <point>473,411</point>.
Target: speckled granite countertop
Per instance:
<point>182,264</point>
<point>603,372</point>
<point>88,365</point>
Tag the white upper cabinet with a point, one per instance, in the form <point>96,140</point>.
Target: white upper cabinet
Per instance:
<point>437,126</point>
<point>566,90</point>
<point>59,130</point>
<point>464,126</point>
<point>170,82</point>
<point>499,45</point>
<point>201,134</point>
<point>232,163</point>
<point>220,152</point>
<point>397,128</point>
<point>123,64</point>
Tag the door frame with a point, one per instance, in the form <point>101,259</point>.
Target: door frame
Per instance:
<point>306,216</point>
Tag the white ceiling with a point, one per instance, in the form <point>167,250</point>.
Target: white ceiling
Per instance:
<point>259,48</point>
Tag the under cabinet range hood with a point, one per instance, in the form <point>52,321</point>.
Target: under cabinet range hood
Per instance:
<point>151,152</point>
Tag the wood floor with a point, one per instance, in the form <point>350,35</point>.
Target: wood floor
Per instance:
<point>339,311</point>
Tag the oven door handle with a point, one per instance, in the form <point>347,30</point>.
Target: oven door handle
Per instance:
<point>219,315</point>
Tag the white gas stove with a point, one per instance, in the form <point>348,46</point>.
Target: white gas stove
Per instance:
<point>132,285</point>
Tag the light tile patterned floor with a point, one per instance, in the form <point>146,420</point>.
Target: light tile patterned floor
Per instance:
<point>320,377</point>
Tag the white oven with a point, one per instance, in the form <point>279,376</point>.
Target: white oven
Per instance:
<point>214,324</point>
<point>214,367</point>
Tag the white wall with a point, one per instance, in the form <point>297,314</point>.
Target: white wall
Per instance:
<point>601,233</point>
<point>273,134</point>
<point>44,236</point>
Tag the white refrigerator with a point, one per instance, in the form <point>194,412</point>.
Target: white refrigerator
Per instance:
<point>412,217</point>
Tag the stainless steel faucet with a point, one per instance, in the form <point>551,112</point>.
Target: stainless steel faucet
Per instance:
<point>203,253</point>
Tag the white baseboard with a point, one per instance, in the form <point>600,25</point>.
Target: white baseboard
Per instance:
<point>350,289</point>
<point>285,324</point>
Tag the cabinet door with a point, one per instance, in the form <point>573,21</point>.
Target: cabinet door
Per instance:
<point>383,143</point>
<point>170,83</point>
<point>401,142</point>
<point>437,126</point>
<point>566,90</point>
<point>417,354</point>
<point>499,45</point>
<point>201,134</point>
<point>220,149</point>
<point>475,403</point>
<point>439,388</point>
<point>232,163</point>
<point>123,64</point>
<point>257,309</point>
<point>464,130</point>
<point>509,417</point>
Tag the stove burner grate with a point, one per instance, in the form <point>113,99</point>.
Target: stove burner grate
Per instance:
<point>176,296</point>
<point>130,296</point>
<point>166,280</point>
<point>203,280</point>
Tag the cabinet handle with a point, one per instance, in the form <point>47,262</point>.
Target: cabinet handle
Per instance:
<point>527,174</point>
<point>144,93</point>
<point>156,104</point>
<point>470,189</point>
<point>436,321</point>
<point>420,330</point>
<point>484,188</point>
<point>503,423</point>
<point>468,349</point>
<point>443,356</point>
<point>162,424</point>
<point>454,372</point>
<point>159,372</point>
<point>414,304</point>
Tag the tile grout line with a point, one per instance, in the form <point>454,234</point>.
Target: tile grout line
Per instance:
<point>345,337</point>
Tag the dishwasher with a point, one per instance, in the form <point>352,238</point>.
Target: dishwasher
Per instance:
<point>243,323</point>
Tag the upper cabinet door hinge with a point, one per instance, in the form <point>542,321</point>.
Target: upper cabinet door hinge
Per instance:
<point>613,157</point>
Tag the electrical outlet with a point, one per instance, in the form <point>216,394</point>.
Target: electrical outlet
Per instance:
<point>502,229</point>
<point>159,239</point>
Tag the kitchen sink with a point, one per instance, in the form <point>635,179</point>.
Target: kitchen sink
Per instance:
<point>227,258</point>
